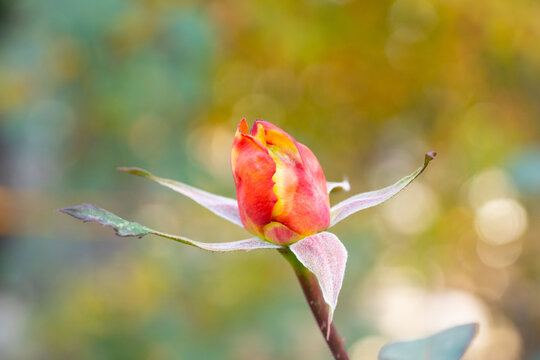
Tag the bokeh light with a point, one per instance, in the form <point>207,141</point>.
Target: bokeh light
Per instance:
<point>501,221</point>
<point>413,211</point>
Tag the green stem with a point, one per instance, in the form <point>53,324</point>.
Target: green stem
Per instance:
<point>319,308</point>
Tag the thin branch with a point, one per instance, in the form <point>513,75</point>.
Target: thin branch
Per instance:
<point>318,306</point>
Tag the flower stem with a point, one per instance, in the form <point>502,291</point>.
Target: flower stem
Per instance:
<point>319,308</point>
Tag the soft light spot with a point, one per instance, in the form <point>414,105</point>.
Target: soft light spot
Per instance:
<point>411,20</point>
<point>503,343</point>
<point>490,184</point>
<point>494,284</point>
<point>499,256</point>
<point>396,53</point>
<point>402,308</point>
<point>413,210</point>
<point>500,221</point>
<point>209,146</point>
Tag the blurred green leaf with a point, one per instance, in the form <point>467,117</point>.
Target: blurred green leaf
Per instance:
<point>366,200</point>
<point>325,256</point>
<point>89,212</point>
<point>448,344</point>
<point>222,206</point>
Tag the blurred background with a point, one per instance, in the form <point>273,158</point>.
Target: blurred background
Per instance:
<point>369,86</point>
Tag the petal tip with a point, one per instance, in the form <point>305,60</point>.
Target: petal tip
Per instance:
<point>243,126</point>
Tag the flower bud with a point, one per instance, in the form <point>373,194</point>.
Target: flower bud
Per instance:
<point>280,186</point>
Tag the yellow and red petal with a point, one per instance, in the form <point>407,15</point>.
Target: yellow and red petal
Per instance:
<point>253,169</point>
<point>280,234</point>
<point>308,210</point>
<point>279,142</point>
<point>243,127</point>
<point>303,202</point>
<point>280,185</point>
<point>259,134</point>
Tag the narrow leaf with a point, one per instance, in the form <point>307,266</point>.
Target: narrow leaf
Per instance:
<point>89,212</point>
<point>366,200</point>
<point>325,256</point>
<point>449,344</point>
<point>344,185</point>
<point>222,206</point>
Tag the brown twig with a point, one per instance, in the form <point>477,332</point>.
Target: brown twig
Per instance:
<point>318,306</point>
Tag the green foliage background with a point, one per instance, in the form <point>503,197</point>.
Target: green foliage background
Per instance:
<point>369,86</point>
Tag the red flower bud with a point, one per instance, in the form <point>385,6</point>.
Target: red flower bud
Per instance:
<point>280,186</point>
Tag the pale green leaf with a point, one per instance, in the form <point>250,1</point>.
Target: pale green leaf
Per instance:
<point>325,256</point>
<point>448,344</point>
<point>366,200</point>
<point>89,212</point>
<point>222,206</point>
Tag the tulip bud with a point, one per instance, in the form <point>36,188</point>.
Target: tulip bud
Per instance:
<point>280,186</point>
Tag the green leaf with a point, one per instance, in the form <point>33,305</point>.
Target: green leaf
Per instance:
<point>89,212</point>
<point>366,200</point>
<point>449,344</point>
<point>326,257</point>
<point>222,206</point>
